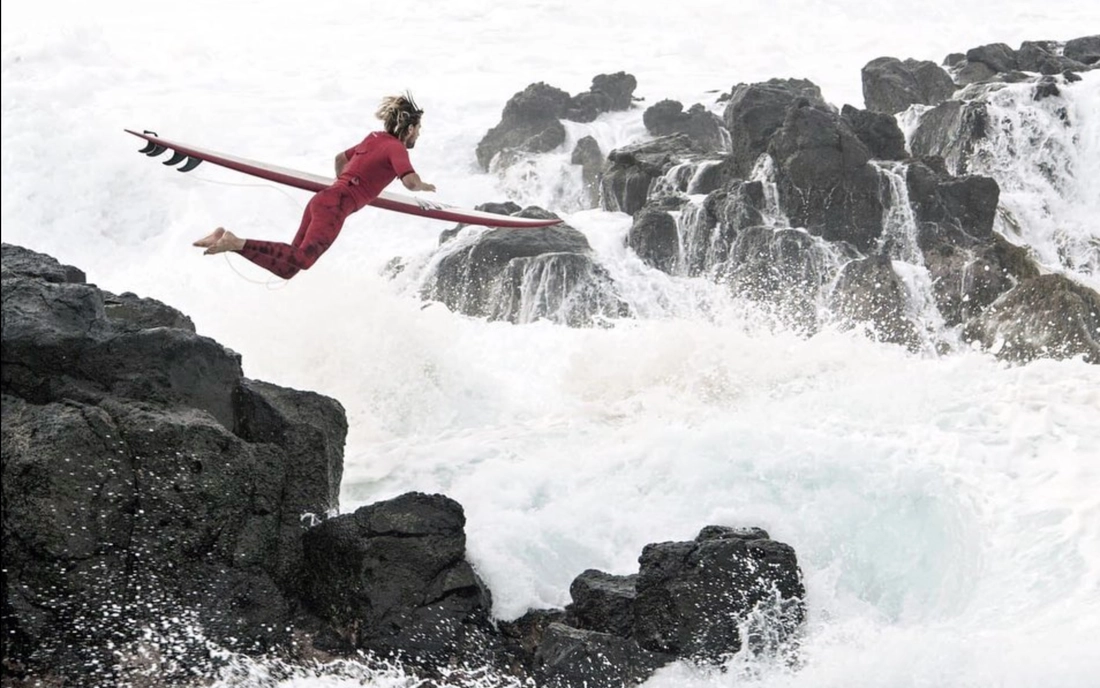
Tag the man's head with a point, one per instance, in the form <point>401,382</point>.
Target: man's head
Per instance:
<point>401,117</point>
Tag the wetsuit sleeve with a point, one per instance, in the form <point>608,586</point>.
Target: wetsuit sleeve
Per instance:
<point>399,158</point>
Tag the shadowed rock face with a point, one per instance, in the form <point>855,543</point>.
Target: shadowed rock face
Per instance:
<point>879,132</point>
<point>968,275</point>
<point>782,269</point>
<point>951,131</point>
<point>393,579</point>
<point>145,479</point>
<point>824,180</point>
<point>968,203</point>
<point>569,657</point>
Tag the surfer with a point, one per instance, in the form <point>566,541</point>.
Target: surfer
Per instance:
<point>362,172</point>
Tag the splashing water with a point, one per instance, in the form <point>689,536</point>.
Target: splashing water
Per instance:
<point>1044,155</point>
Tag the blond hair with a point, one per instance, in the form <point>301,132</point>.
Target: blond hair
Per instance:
<point>399,114</point>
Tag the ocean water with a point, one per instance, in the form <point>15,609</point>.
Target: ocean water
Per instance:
<point>945,508</point>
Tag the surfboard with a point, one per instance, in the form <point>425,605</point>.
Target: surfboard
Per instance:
<point>188,157</point>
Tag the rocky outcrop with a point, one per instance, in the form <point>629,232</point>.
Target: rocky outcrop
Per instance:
<point>891,85</point>
<point>392,578</point>
<point>997,59</point>
<point>608,93</point>
<point>627,183</point>
<point>531,120</point>
<point>1049,316</point>
<point>592,162</point>
<point>654,237</point>
<point>878,131</point>
<point>756,111</point>
<point>1000,62</point>
<point>871,295</point>
<point>689,600</point>
<point>781,159</point>
<point>823,177</point>
<point>524,276</point>
<point>692,597</point>
<point>530,123</point>
<point>699,124</point>
<point>144,479</point>
<point>1085,50</point>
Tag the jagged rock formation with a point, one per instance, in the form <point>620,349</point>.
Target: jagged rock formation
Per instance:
<point>145,478</point>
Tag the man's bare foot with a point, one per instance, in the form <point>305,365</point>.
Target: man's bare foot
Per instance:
<point>210,239</point>
<point>226,241</point>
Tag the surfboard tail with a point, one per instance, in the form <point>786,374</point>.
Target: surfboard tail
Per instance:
<point>154,149</point>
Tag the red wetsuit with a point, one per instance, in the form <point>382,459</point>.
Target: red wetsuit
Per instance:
<point>372,165</point>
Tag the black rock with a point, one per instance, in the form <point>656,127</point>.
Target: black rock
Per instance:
<point>878,131</point>
<point>153,498</point>
<point>754,112</point>
<point>393,576</point>
<point>824,181</point>
<point>1085,50</point>
<point>891,85</point>
<point>701,126</point>
<point>870,294</point>
<point>655,239</point>
<point>603,602</point>
<point>693,596</point>
<point>1048,316</point>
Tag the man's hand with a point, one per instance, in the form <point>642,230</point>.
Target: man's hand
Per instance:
<point>413,182</point>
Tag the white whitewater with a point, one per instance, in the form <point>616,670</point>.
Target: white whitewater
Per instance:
<point>1045,154</point>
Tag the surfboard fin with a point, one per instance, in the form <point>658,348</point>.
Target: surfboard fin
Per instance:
<point>176,159</point>
<point>192,163</point>
<point>153,149</point>
<point>150,146</point>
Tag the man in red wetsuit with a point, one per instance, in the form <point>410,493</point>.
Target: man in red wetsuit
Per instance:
<point>362,172</point>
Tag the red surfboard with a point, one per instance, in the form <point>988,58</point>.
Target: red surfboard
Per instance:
<point>191,156</point>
